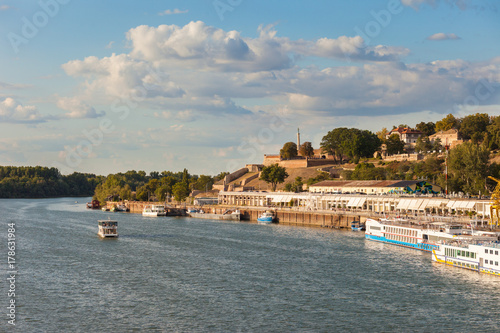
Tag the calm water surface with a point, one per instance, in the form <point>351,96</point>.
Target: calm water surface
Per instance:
<point>190,275</point>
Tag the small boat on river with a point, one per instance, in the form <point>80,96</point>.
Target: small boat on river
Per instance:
<point>357,226</point>
<point>154,210</point>
<point>107,228</point>
<point>266,217</point>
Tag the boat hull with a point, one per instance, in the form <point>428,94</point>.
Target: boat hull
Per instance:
<point>265,220</point>
<point>418,246</point>
<point>153,214</point>
<point>107,235</point>
<point>209,216</point>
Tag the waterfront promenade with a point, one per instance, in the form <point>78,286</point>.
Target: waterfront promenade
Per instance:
<point>372,204</point>
<point>339,210</point>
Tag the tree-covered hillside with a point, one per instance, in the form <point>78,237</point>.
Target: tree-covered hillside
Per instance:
<point>43,182</point>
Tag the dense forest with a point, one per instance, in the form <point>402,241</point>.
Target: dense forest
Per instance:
<point>43,182</point>
<point>137,185</point>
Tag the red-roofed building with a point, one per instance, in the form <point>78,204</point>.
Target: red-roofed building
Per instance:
<point>406,134</point>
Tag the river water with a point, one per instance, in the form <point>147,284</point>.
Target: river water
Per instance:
<point>191,275</point>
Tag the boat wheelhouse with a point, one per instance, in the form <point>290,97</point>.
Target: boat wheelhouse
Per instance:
<point>107,228</point>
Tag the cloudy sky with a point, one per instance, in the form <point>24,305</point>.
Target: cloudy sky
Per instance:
<point>110,86</point>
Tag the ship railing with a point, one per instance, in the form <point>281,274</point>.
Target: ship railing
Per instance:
<point>465,244</point>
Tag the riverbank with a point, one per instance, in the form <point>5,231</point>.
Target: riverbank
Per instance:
<point>338,219</point>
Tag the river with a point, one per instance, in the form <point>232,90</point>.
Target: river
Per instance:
<point>179,274</point>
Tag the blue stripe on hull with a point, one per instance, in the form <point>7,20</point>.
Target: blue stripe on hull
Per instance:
<point>418,246</point>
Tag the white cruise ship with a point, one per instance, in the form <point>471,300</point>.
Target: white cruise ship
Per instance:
<point>421,237</point>
<point>480,255</point>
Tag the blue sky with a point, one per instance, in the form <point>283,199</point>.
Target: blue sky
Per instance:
<point>111,86</point>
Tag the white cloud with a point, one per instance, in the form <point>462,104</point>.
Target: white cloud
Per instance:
<point>442,36</point>
<point>122,76</point>
<point>197,71</point>
<point>12,111</point>
<point>77,108</point>
<point>109,45</point>
<point>5,7</point>
<point>172,12</point>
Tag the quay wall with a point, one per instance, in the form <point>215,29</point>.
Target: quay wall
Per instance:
<point>336,220</point>
<point>292,217</point>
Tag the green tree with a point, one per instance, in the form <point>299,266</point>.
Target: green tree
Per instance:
<point>180,191</point>
<point>394,145</point>
<point>437,146</point>
<point>381,134</point>
<point>288,151</point>
<point>350,142</point>
<point>273,174</point>
<point>306,149</point>
<point>494,133</point>
<point>427,128</point>
<point>367,171</point>
<point>221,176</point>
<point>296,186</point>
<point>203,183</point>
<point>423,145</point>
<point>468,165</point>
<point>447,123</point>
<point>474,126</point>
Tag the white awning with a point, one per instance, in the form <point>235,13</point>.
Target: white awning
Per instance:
<point>414,204</point>
<point>435,203</point>
<point>423,204</point>
<point>470,205</point>
<point>403,204</point>
<point>356,202</point>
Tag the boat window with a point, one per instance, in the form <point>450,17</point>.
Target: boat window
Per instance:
<point>491,251</point>
<point>486,251</point>
<point>496,252</point>
<point>486,261</point>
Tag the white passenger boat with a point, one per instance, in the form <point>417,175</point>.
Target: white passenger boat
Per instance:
<point>107,228</point>
<point>228,215</point>
<point>154,210</point>
<point>423,237</point>
<point>477,255</point>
